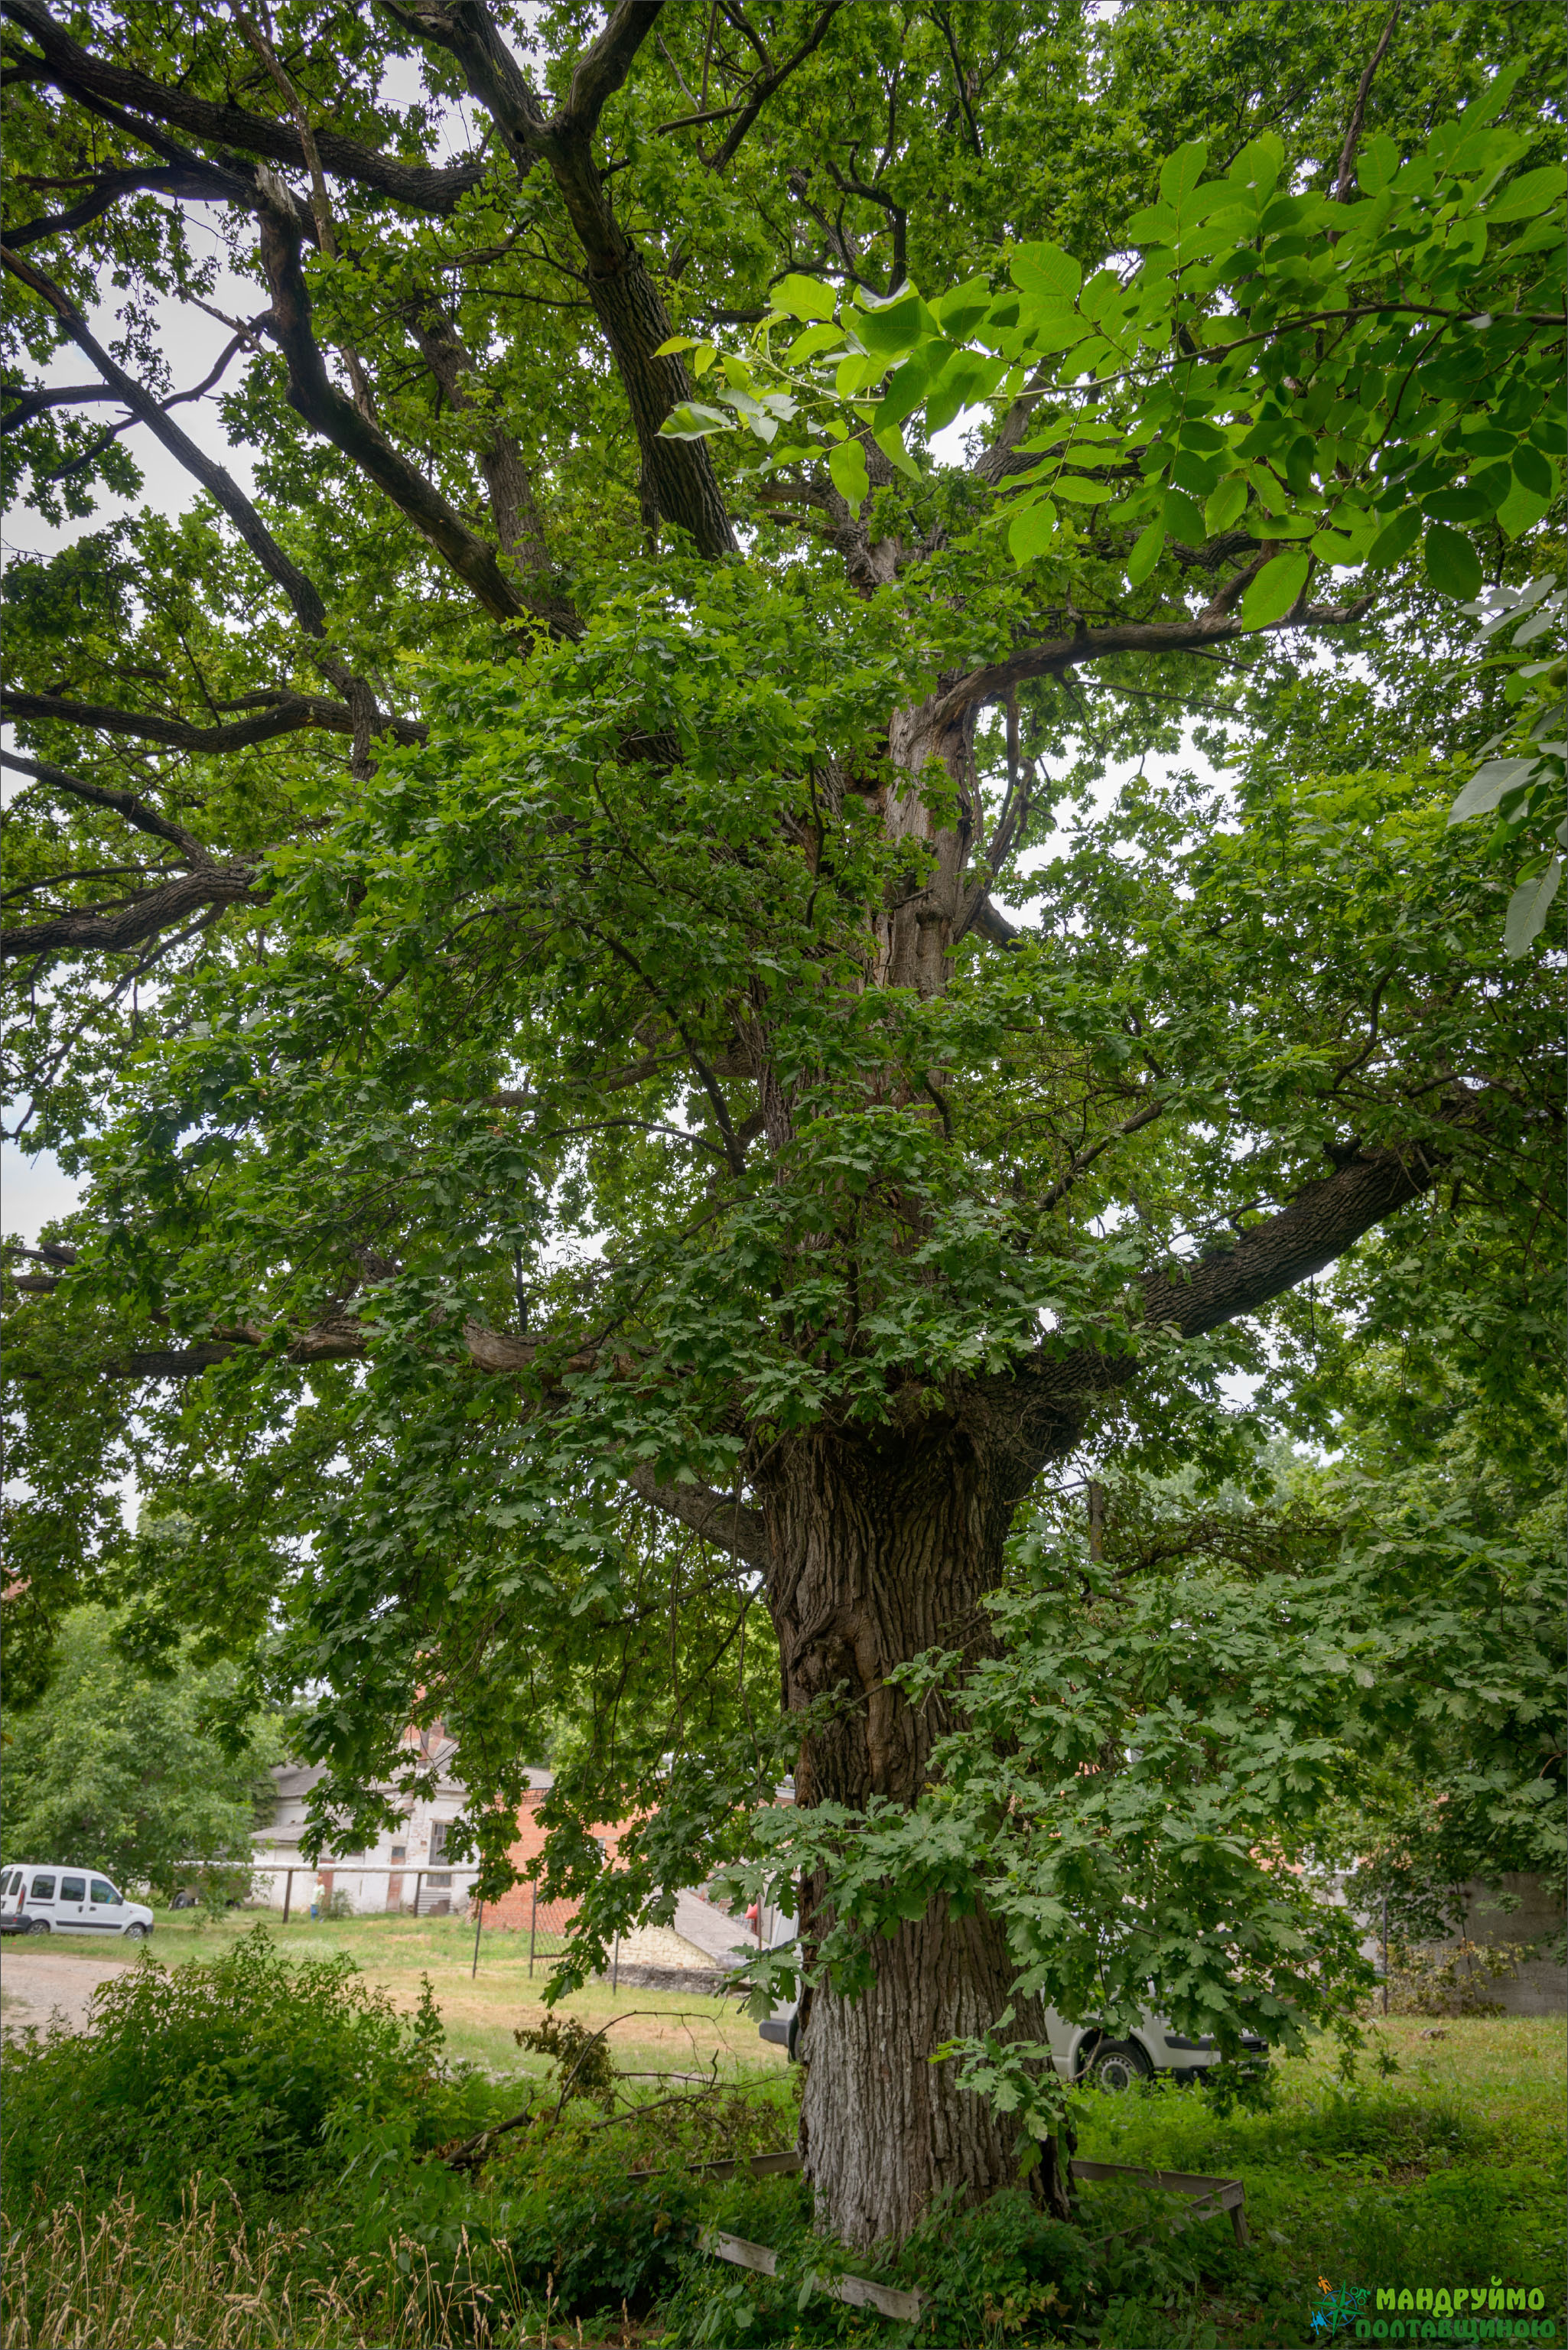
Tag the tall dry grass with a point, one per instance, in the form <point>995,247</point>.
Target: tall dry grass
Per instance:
<point>209,2281</point>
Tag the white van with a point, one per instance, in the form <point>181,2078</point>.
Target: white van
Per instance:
<point>1083,2052</point>
<point>36,1900</point>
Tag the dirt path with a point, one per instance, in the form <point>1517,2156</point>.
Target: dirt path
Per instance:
<point>35,1982</point>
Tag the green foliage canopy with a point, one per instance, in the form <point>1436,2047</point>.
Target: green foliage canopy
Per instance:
<point>616,1072</point>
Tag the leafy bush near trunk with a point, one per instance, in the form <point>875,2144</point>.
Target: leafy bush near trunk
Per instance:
<point>1451,1979</point>
<point>241,2068</point>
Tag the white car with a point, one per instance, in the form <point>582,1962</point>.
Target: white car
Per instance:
<point>1083,2052</point>
<point>35,1899</point>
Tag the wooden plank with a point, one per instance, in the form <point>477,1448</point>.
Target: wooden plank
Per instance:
<point>1208,2197</point>
<point>861,2294</point>
<point>736,2250</point>
<point>1180,2182</point>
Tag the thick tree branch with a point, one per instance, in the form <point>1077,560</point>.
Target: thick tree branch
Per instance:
<point>725,1523</point>
<point>1047,1399</point>
<point>518,522</point>
<point>603,67</point>
<point>1320,1222</point>
<point>43,396</point>
<point>185,183</point>
<point>679,483</point>
<point>983,917</point>
<point>129,926</point>
<point>317,399</point>
<point>1214,627</point>
<point>79,74</point>
<point>287,714</point>
<point>123,804</point>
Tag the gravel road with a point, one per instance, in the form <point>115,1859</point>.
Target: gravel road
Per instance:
<point>35,1980</point>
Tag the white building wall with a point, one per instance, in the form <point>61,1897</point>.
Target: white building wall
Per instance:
<point>373,1879</point>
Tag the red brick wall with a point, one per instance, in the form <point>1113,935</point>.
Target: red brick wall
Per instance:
<point>515,1906</point>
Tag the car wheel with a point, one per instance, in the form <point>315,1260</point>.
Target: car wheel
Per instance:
<point>40,1926</point>
<point>1118,2065</point>
<point>136,1933</point>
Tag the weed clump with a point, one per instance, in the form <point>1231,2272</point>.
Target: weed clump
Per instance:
<point>240,2067</point>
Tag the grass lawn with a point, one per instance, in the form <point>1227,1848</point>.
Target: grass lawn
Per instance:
<point>1448,2171</point>
<point>662,2032</point>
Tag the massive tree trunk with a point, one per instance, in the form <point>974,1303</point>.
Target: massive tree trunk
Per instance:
<point>885,1541</point>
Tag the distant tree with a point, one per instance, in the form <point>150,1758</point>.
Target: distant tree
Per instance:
<point>122,1767</point>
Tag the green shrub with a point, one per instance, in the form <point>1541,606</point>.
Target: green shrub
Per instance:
<point>241,2067</point>
<point>576,2223</point>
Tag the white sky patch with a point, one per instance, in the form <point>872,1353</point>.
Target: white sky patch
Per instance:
<point>33,1190</point>
<point>1158,766</point>
<point>192,343</point>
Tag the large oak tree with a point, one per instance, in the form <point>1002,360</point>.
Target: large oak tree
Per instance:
<point>508,911</point>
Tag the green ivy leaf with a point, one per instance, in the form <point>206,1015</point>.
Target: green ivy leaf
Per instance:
<point>1275,589</point>
<point>1453,567</point>
<point>847,463</point>
<point>1030,531</point>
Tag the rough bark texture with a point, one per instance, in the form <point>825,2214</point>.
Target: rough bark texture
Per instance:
<point>883,1544</point>
<point>883,2129</point>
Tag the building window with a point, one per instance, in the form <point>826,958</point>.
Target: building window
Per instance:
<point>438,1854</point>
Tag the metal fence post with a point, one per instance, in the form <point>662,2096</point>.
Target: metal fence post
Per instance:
<point>614,1967</point>
<point>533,1921</point>
<point>478,1928</point>
<point>419,1888</point>
<point>287,1894</point>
